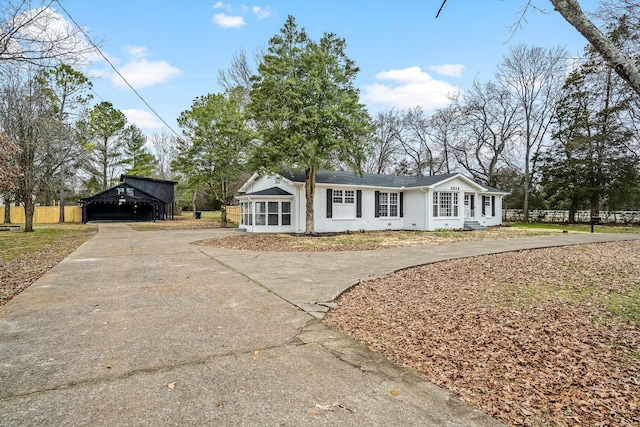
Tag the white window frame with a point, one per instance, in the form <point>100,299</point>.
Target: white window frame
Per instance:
<point>446,204</point>
<point>343,197</point>
<point>389,204</point>
<point>337,196</point>
<point>349,197</point>
<point>273,209</point>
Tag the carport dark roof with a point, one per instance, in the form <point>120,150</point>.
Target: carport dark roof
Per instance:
<point>273,191</point>
<point>369,179</point>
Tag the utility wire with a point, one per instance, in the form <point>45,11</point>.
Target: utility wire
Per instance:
<point>115,69</point>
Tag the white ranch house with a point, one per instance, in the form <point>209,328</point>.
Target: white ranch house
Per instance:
<point>348,202</point>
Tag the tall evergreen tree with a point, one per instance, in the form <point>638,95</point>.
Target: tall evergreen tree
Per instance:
<point>67,91</point>
<point>591,162</point>
<point>212,151</point>
<point>104,133</point>
<point>306,108</point>
<point>138,160</point>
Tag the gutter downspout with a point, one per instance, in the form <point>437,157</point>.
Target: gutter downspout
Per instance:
<point>426,208</point>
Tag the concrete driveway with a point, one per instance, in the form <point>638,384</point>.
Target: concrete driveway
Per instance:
<point>143,328</point>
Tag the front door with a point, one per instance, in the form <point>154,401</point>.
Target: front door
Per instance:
<point>469,211</point>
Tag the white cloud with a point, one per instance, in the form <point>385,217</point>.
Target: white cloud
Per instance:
<point>260,12</point>
<point>228,21</point>
<point>451,70</point>
<point>140,72</point>
<point>142,119</point>
<point>221,5</point>
<point>408,87</point>
<point>136,51</point>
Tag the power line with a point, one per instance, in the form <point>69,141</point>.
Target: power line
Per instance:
<point>115,69</point>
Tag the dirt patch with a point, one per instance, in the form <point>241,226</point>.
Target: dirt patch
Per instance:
<point>546,337</point>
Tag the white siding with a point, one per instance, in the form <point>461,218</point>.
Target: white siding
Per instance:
<point>368,221</point>
<point>417,209</point>
<point>266,182</point>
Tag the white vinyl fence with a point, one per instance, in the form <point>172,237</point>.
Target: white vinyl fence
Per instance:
<point>612,217</point>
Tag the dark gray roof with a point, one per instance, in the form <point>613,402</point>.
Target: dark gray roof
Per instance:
<point>369,179</point>
<point>273,191</point>
<point>124,178</point>
<point>495,190</point>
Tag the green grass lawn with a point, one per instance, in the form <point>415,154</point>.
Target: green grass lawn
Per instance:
<point>16,243</point>
<point>211,215</point>
<point>586,228</point>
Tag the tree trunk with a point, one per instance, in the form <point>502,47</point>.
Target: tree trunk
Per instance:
<point>28,214</point>
<point>7,209</point>
<point>595,206</point>
<point>527,175</point>
<point>193,202</point>
<point>573,208</point>
<point>61,218</point>
<point>310,190</point>
<point>105,162</point>
<point>223,215</point>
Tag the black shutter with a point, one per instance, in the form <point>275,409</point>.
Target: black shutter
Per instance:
<point>493,205</point>
<point>358,203</point>
<point>473,198</point>
<point>329,203</point>
<point>377,207</point>
<point>401,204</point>
<point>483,210</point>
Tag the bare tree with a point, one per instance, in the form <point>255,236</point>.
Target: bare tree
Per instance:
<point>625,66</point>
<point>24,116</point>
<point>442,132</point>
<point>164,147</point>
<point>10,172</point>
<point>489,123</point>
<point>534,76</point>
<point>413,134</point>
<point>9,168</point>
<point>32,32</point>
<point>237,77</point>
<point>384,145</point>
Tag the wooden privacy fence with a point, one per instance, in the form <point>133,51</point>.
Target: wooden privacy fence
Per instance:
<point>44,214</point>
<point>233,214</point>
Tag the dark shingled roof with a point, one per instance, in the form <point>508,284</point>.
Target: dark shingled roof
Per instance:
<point>273,191</point>
<point>495,190</point>
<point>369,179</point>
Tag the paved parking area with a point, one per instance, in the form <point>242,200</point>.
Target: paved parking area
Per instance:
<point>143,328</point>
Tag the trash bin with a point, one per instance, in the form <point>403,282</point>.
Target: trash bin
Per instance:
<point>198,214</point>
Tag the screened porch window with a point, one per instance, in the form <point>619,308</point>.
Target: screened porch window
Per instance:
<point>270,214</point>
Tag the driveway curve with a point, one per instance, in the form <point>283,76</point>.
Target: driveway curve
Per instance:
<point>144,328</point>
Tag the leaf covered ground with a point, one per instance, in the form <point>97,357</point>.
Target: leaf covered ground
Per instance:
<point>547,337</point>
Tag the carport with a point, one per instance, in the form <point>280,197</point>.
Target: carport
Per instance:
<point>121,203</point>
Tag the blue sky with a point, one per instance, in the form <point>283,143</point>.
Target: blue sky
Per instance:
<point>171,51</point>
